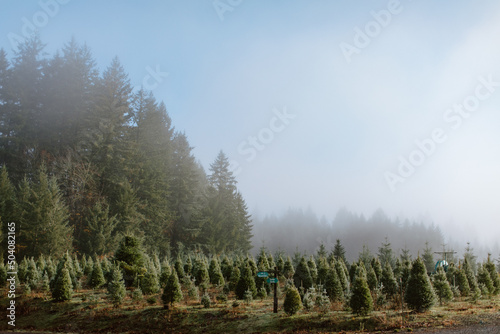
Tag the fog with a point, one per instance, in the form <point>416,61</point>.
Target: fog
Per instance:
<point>389,105</point>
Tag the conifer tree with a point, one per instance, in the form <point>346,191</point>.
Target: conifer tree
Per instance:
<point>377,267</point>
<point>471,278</point>
<point>288,270</point>
<point>215,272</point>
<point>150,283</point>
<point>313,269</point>
<point>7,204</point>
<point>341,273</point>
<point>339,251</point>
<point>99,232</point>
<point>234,279</point>
<point>96,279</point>
<point>419,292</point>
<point>172,292</point>
<point>130,257</point>
<point>361,300</point>
<point>385,254</point>
<point>490,267</point>
<point>442,286</point>
<point>428,258</point>
<point>323,268</point>
<point>200,272</point>
<point>179,268</point>
<point>371,278</point>
<point>116,288</point>
<point>246,283</point>
<point>302,276</point>
<point>483,277</point>
<point>462,282</point>
<point>389,284</point>
<point>333,286</point>
<point>165,272</point>
<point>292,303</point>
<point>63,288</point>
<point>226,267</point>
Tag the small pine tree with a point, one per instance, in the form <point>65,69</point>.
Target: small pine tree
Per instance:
<point>172,292</point>
<point>245,282</point>
<point>200,272</point>
<point>150,283</point>
<point>361,299</point>
<point>292,303</point>
<point>419,292</point>
<point>333,286</point>
<point>96,279</point>
<point>137,295</point>
<point>462,283</point>
<point>389,284</point>
<point>483,277</point>
<point>179,268</point>
<point>302,276</point>
<point>371,278</point>
<point>377,267</point>
<point>442,286</point>
<point>490,267</point>
<point>323,268</point>
<point>63,288</point>
<point>313,269</point>
<point>288,270</point>
<point>116,288</point>
<point>215,272</point>
<point>471,278</point>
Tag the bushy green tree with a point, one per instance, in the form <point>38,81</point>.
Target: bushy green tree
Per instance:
<point>389,284</point>
<point>116,288</point>
<point>150,283</point>
<point>292,303</point>
<point>172,292</point>
<point>442,286</point>
<point>130,257</point>
<point>63,288</point>
<point>288,270</point>
<point>462,282</point>
<point>96,279</point>
<point>333,286</point>
<point>302,276</point>
<point>215,273</point>
<point>483,277</point>
<point>490,267</point>
<point>419,292</point>
<point>361,299</point>
<point>246,283</point>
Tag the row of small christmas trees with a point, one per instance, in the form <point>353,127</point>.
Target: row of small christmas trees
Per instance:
<point>357,285</point>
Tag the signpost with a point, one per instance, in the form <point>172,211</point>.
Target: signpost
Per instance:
<point>262,274</point>
<point>274,280</point>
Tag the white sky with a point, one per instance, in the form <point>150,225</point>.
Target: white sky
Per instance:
<point>353,120</point>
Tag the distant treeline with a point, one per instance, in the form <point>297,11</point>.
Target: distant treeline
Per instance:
<point>84,160</point>
<point>302,231</point>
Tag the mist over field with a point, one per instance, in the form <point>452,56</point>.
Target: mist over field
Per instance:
<point>387,110</point>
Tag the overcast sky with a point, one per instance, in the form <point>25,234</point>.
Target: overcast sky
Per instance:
<point>320,104</point>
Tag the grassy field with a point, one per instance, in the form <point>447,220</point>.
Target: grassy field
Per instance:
<point>90,311</point>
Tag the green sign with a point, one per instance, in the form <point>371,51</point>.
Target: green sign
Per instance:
<point>262,274</point>
<point>272,280</point>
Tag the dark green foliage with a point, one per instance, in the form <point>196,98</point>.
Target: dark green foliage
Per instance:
<point>389,284</point>
<point>116,288</point>
<point>442,286</point>
<point>226,267</point>
<point>371,278</point>
<point>333,286</point>
<point>361,300</point>
<point>385,254</point>
<point>292,303</point>
<point>323,268</point>
<point>96,279</point>
<point>471,278</point>
<point>179,268</point>
<point>200,272</point>
<point>302,276</point>
<point>150,283</point>
<point>313,270</point>
<point>428,258</point>
<point>462,282</point>
<point>419,292</point>
<point>130,257</point>
<point>490,267</point>
<point>483,277</point>
<point>288,270</point>
<point>377,267</point>
<point>339,251</point>
<point>215,273</point>
<point>63,288</point>
<point>98,236</point>
<point>165,272</point>
<point>234,279</point>
<point>172,292</point>
<point>341,274</point>
<point>245,283</point>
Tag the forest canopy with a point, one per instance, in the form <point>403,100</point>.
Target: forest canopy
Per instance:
<point>85,159</point>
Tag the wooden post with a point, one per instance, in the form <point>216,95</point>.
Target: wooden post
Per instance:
<point>275,308</point>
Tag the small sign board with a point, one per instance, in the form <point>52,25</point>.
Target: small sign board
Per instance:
<point>272,280</point>
<point>262,274</point>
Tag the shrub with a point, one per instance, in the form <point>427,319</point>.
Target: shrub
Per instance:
<point>292,303</point>
<point>205,301</point>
